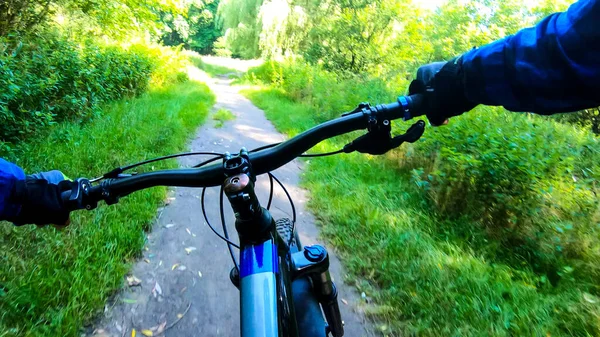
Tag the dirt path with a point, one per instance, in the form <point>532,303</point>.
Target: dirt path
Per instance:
<point>199,277</point>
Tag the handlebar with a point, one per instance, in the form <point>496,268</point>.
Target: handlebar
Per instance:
<point>84,195</point>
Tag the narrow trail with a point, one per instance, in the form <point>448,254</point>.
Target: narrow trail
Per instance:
<point>199,277</point>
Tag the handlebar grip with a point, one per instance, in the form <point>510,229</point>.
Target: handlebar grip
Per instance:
<point>413,105</point>
<point>65,196</point>
<point>79,196</point>
<point>406,107</point>
<point>417,105</point>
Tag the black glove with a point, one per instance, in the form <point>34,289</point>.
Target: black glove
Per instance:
<point>40,200</point>
<point>443,84</point>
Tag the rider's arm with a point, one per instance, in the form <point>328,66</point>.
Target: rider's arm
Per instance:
<point>552,67</point>
<point>33,199</point>
<point>9,175</point>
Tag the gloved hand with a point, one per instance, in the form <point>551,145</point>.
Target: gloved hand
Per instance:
<point>40,200</point>
<point>443,84</point>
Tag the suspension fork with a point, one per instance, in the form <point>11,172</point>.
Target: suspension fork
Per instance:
<point>313,262</point>
<point>255,226</point>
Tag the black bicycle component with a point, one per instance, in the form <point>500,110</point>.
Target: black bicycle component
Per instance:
<point>252,221</point>
<point>262,161</point>
<point>379,139</point>
<point>313,262</point>
<point>234,276</point>
<point>76,198</point>
<point>224,226</point>
<point>226,239</point>
<point>327,296</point>
<point>287,194</point>
<point>238,164</point>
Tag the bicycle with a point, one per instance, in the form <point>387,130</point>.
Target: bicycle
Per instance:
<point>285,289</point>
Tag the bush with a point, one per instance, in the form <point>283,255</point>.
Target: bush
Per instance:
<point>48,78</point>
<point>520,189</point>
<point>328,93</point>
<point>525,183</point>
<point>427,274</point>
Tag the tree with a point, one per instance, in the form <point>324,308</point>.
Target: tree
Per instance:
<point>22,15</point>
<point>238,19</point>
<point>195,28</point>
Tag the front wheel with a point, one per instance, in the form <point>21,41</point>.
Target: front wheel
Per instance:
<point>309,317</point>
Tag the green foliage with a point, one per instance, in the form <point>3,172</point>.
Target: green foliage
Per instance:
<point>211,69</point>
<point>118,20</point>
<point>386,38</point>
<point>327,93</point>
<point>238,20</point>
<point>22,15</point>
<point>49,78</point>
<point>487,226</point>
<point>354,35</point>
<point>52,282</point>
<point>222,116</point>
<point>513,186</point>
<point>586,119</point>
<point>195,29</point>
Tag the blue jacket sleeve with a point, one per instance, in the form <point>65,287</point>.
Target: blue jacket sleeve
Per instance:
<point>552,67</point>
<point>9,174</point>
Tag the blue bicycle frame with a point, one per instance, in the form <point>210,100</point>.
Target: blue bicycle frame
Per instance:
<point>258,289</point>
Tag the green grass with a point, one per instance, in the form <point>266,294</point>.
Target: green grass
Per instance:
<point>213,69</point>
<point>424,279</point>
<point>52,282</point>
<point>221,116</point>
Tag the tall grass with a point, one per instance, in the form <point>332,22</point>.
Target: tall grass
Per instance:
<point>52,282</point>
<point>483,228</point>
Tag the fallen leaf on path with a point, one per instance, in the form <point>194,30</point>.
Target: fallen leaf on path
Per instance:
<point>146,260</point>
<point>193,235</point>
<point>147,332</point>
<point>146,249</point>
<point>129,301</point>
<point>157,290</point>
<point>344,301</point>
<point>188,230</point>
<point>200,274</point>
<point>161,328</point>
<point>179,316</point>
<point>188,250</point>
<point>133,281</point>
<point>132,332</point>
<point>169,225</point>
<point>175,266</point>
<point>182,268</point>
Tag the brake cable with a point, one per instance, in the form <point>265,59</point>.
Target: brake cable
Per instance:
<point>119,170</point>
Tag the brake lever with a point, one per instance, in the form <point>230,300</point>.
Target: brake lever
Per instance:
<point>379,140</point>
<point>76,197</point>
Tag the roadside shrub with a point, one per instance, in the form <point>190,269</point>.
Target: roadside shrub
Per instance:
<point>525,182</point>
<point>519,189</point>
<point>168,63</point>
<point>328,93</point>
<point>47,78</point>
